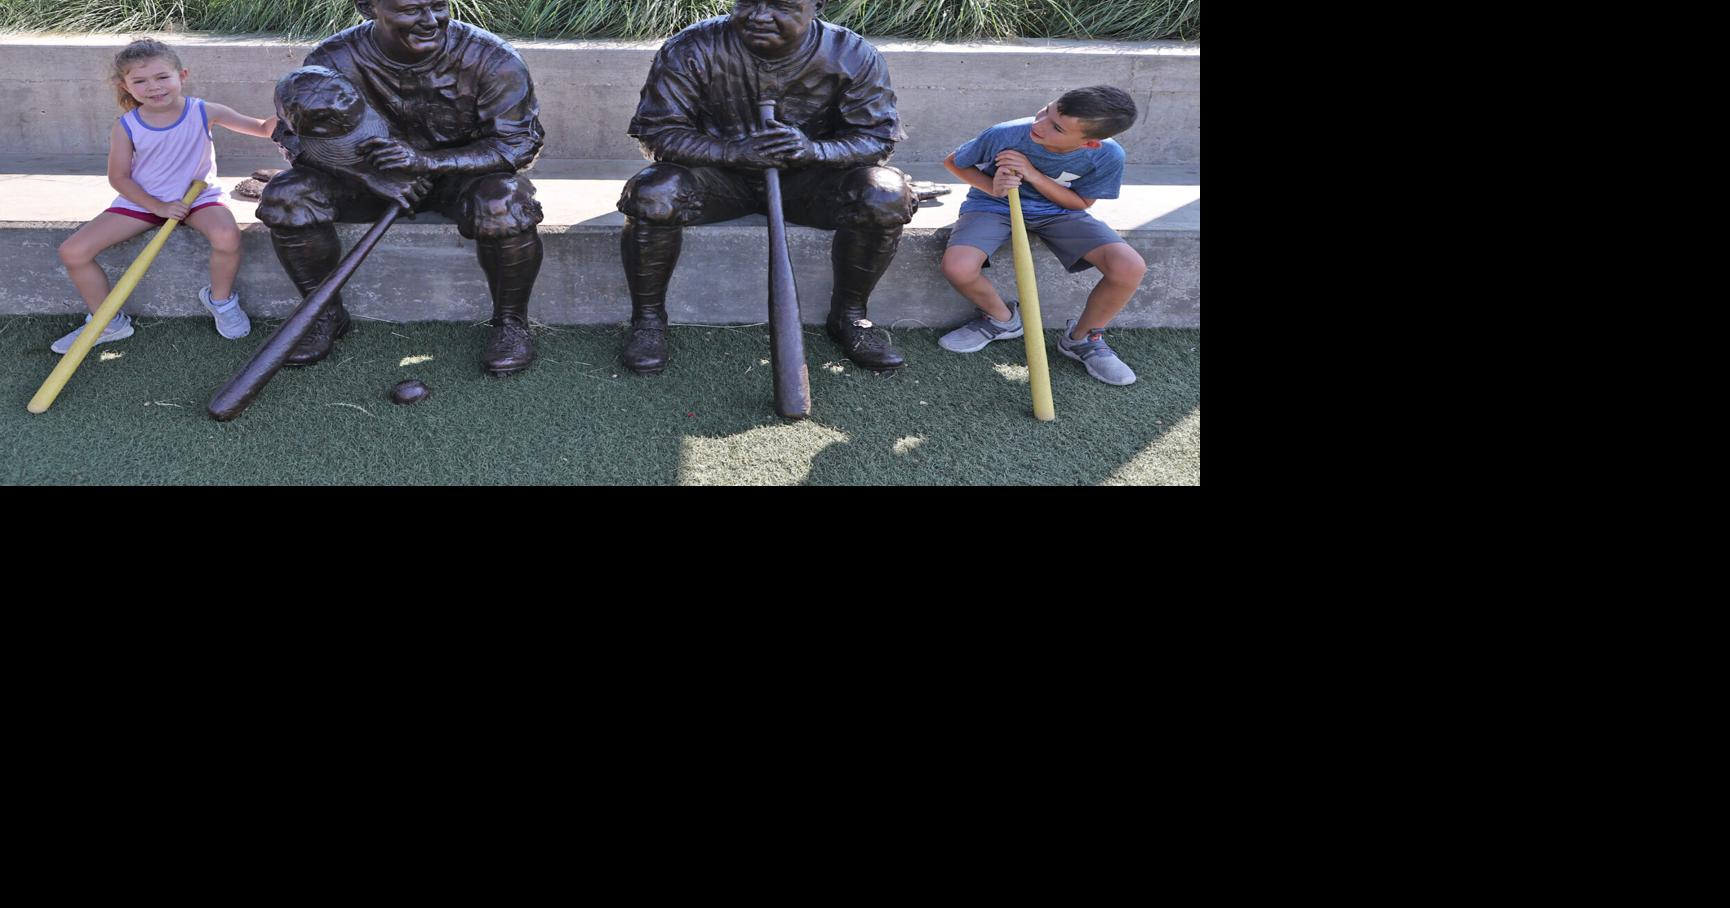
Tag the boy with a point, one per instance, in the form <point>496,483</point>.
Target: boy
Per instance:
<point>1063,159</point>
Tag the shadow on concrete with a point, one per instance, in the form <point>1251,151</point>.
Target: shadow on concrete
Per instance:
<point>1186,218</point>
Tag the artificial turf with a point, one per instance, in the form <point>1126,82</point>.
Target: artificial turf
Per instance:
<point>134,413</point>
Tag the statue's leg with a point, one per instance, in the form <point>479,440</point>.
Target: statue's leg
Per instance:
<point>301,208</point>
<point>499,212</point>
<point>867,207</point>
<point>658,203</point>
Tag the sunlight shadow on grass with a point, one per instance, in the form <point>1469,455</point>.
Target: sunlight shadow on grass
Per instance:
<point>1173,458</point>
<point>779,455</point>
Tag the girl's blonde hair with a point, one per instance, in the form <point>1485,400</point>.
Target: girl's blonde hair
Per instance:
<point>140,51</point>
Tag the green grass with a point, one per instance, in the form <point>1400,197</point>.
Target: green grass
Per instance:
<point>575,418</point>
<point>937,20</point>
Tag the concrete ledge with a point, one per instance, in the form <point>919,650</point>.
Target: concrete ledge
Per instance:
<point>57,96</point>
<point>425,271</point>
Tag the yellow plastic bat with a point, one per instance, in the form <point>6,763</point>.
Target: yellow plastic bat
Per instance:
<point>105,313</point>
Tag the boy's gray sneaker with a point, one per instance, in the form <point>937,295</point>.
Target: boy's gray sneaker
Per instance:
<point>1101,361</point>
<point>119,328</point>
<point>973,336</point>
<point>231,320</point>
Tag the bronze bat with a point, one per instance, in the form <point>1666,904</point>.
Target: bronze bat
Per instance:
<point>786,332</point>
<point>330,122</point>
<point>238,394</point>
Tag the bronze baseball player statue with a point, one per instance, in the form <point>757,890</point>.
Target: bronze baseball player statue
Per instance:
<point>835,125</point>
<point>456,121</point>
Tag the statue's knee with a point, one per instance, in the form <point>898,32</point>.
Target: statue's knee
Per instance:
<point>292,200</point>
<point>498,206</point>
<point>880,197</point>
<point>663,195</point>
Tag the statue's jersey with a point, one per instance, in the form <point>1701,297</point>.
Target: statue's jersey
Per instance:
<point>835,87</point>
<point>475,91</point>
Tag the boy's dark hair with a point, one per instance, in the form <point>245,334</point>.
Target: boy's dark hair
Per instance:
<point>1104,111</point>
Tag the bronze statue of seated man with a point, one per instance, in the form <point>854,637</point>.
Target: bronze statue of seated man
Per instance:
<point>459,122</point>
<point>835,127</point>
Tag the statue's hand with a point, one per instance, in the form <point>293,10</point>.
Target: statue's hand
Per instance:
<point>418,191</point>
<point>386,153</point>
<point>785,145</point>
<point>404,193</point>
<point>744,154</point>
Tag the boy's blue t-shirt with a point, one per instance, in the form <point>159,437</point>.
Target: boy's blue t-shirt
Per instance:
<point>1092,173</point>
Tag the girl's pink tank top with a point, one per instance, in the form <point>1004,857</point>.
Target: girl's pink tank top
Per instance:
<point>166,160</point>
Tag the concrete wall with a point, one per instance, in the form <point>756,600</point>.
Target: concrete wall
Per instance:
<point>58,100</point>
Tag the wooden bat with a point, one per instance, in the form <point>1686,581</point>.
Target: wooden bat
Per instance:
<point>786,332</point>
<point>238,394</point>
<point>1033,327</point>
<point>105,313</point>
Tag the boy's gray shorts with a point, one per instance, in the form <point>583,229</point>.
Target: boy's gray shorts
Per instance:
<point>1070,234</point>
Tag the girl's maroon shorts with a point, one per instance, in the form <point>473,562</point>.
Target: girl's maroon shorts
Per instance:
<point>153,219</point>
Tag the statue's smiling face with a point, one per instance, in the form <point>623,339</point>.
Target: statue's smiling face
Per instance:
<point>409,31</point>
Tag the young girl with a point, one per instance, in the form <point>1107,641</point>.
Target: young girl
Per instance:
<point>157,148</point>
